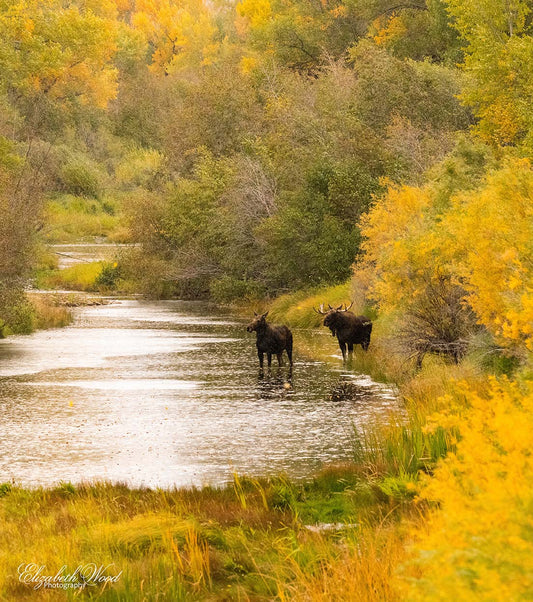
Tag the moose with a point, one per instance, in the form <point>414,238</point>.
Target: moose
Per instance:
<point>349,329</point>
<point>270,339</point>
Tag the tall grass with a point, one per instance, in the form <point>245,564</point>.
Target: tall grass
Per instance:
<point>72,218</point>
<point>296,309</point>
<point>362,571</point>
<point>244,541</point>
<point>48,314</point>
<point>78,277</point>
<point>402,449</point>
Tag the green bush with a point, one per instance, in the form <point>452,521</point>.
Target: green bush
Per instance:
<point>20,318</point>
<point>109,276</point>
<point>228,288</point>
<point>80,176</point>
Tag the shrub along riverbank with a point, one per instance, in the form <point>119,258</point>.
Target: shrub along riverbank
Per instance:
<point>33,312</point>
<point>462,448</point>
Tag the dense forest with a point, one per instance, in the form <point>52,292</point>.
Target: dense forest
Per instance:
<point>249,150</point>
<point>241,145</point>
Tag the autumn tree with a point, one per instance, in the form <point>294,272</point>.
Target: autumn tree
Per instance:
<point>498,60</point>
<point>180,34</point>
<point>55,62</point>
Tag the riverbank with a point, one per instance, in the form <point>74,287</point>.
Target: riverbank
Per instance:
<point>346,535</point>
<point>255,538</point>
<point>333,538</point>
<point>474,419</point>
<point>35,312</point>
<point>43,310</point>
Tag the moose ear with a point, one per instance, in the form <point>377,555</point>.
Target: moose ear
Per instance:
<point>255,314</point>
<point>265,315</point>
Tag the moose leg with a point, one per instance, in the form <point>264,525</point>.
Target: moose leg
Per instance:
<point>280,358</point>
<point>269,358</point>
<point>289,354</point>
<point>289,348</point>
<point>343,349</point>
<point>260,355</point>
<point>350,348</point>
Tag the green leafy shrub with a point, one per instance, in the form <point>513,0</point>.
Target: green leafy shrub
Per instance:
<point>229,288</point>
<point>79,175</point>
<point>109,276</point>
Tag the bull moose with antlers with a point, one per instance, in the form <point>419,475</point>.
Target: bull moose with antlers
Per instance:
<point>349,329</point>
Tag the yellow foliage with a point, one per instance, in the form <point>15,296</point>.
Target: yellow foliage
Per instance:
<point>183,33</point>
<point>400,248</point>
<point>393,29</point>
<point>258,12</point>
<point>493,229</point>
<point>61,51</point>
<point>500,121</point>
<point>248,64</point>
<point>478,544</point>
<point>339,11</point>
<point>482,240</point>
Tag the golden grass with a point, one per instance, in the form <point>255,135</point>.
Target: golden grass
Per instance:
<point>361,571</point>
<point>201,544</point>
<point>48,314</point>
<point>79,277</point>
<point>296,309</point>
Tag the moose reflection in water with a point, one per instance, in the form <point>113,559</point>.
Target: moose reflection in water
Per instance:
<point>270,339</point>
<point>349,329</point>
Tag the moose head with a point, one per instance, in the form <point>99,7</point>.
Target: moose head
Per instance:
<point>331,315</point>
<point>258,323</point>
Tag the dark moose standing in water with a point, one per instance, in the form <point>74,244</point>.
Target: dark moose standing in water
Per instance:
<point>350,329</point>
<point>270,339</point>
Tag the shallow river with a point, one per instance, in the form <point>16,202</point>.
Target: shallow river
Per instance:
<point>169,393</point>
<point>70,254</point>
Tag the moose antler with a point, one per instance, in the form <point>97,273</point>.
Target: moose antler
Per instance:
<point>345,308</point>
<point>320,310</point>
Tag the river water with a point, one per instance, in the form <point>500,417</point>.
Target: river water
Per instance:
<point>70,254</point>
<point>169,393</point>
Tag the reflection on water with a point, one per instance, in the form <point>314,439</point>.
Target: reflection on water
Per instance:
<point>169,393</point>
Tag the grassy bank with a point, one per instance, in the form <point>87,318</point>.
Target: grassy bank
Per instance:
<point>71,218</point>
<point>49,312</point>
<point>33,312</point>
<point>38,311</point>
<point>383,528</point>
<point>252,540</point>
<point>96,276</point>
